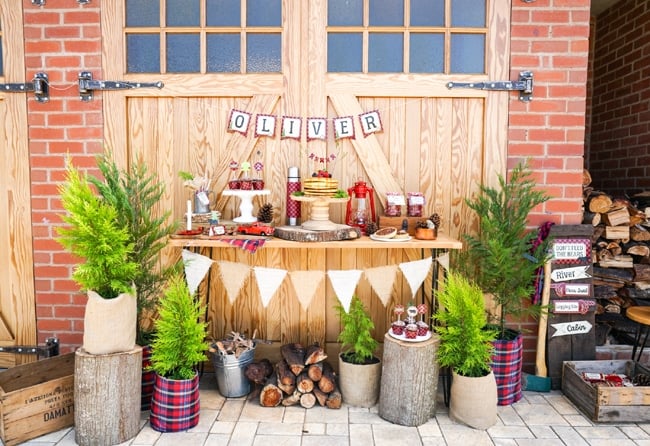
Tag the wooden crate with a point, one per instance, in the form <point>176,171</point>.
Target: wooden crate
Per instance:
<point>396,222</point>
<point>36,399</point>
<point>607,404</point>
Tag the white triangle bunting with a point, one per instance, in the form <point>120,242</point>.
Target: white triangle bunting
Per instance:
<point>415,272</point>
<point>196,268</point>
<point>382,279</point>
<point>305,283</point>
<point>268,282</point>
<point>344,283</point>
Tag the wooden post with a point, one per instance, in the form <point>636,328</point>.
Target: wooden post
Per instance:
<point>409,381</point>
<point>107,397</point>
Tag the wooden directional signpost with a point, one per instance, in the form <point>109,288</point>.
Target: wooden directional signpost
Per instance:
<point>571,318</point>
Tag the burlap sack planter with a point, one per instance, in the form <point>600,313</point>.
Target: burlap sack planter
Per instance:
<point>175,404</point>
<point>473,400</point>
<point>109,324</point>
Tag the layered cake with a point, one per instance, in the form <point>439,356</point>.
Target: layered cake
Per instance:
<point>320,186</point>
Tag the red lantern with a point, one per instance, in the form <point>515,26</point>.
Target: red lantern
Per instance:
<point>357,213</point>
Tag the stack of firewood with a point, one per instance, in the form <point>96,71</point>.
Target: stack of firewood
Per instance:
<point>621,249</point>
<point>301,377</point>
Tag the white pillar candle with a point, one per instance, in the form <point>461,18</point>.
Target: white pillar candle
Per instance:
<point>189,215</point>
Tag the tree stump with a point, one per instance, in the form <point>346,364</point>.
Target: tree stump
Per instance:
<point>409,381</point>
<point>107,397</point>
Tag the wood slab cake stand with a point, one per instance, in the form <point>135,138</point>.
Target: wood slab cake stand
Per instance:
<point>319,212</point>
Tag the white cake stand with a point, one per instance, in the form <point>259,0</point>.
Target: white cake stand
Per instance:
<point>320,212</point>
<point>246,206</point>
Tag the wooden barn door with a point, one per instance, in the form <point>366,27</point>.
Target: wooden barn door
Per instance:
<point>438,141</point>
<point>17,306</point>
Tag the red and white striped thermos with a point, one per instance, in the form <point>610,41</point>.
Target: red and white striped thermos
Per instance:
<point>293,206</point>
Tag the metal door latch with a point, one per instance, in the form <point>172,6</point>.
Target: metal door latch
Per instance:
<point>524,85</point>
<point>50,349</point>
<point>87,85</point>
<point>38,85</point>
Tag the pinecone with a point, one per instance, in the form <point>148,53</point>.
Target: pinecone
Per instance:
<point>435,218</point>
<point>265,214</point>
<point>641,380</point>
<point>371,227</point>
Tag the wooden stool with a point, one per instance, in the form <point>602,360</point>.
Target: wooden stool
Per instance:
<point>640,315</point>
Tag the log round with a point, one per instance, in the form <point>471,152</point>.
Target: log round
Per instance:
<point>107,397</point>
<point>409,381</point>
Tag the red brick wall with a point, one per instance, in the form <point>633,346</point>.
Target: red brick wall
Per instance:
<point>549,37</point>
<point>62,38</point>
<point>619,144</point>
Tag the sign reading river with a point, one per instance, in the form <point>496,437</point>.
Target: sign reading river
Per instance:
<point>576,272</point>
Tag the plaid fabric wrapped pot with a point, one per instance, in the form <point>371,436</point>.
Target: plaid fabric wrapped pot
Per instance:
<point>506,364</point>
<point>148,379</point>
<point>174,404</point>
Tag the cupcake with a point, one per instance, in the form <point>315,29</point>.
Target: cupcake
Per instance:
<point>423,328</point>
<point>398,327</point>
<point>411,331</point>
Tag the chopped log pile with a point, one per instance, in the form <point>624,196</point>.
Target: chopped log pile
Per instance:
<point>620,249</point>
<point>301,377</point>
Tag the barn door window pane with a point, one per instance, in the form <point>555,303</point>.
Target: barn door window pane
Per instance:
<point>223,53</point>
<point>223,13</point>
<point>385,52</point>
<point>264,13</point>
<point>345,12</point>
<point>143,53</point>
<point>427,53</point>
<point>427,12</point>
<point>183,12</point>
<point>467,53</point>
<point>386,13</point>
<point>263,53</point>
<point>424,36</point>
<point>344,52</point>
<point>467,13</point>
<point>183,53</point>
<point>142,12</point>
<point>203,36</point>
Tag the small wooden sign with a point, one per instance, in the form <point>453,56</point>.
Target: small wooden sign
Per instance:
<point>581,306</point>
<point>576,250</point>
<point>574,273</point>
<point>572,289</point>
<point>571,328</point>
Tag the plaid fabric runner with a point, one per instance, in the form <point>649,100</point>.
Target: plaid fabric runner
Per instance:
<point>506,365</point>
<point>250,245</point>
<point>175,404</point>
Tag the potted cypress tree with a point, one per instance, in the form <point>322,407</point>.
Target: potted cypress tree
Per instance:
<point>359,368</point>
<point>135,193</point>
<point>94,234</point>
<point>178,347</point>
<point>503,261</point>
<point>466,348</point>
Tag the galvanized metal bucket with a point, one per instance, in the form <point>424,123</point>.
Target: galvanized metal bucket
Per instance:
<point>229,371</point>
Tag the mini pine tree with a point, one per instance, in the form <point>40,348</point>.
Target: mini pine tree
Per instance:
<point>179,342</point>
<point>357,344</point>
<point>265,214</point>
